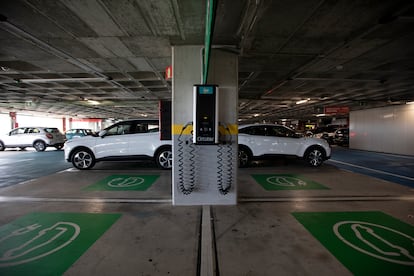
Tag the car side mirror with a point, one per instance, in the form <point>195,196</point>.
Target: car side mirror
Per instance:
<point>102,133</point>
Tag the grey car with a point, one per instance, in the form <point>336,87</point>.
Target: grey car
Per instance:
<point>37,137</point>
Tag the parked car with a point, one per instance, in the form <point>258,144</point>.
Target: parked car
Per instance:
<point>78,132</point>
<point>325,132</point>
<point>127,140</point>
<point>341,136</point>
<point>262,140</point>
<point>37,137</point>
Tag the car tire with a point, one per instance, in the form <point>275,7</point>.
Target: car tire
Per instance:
<point>315,156</point>
<point>245,156</point>
<point>83,159</point>
<point>39,145</point>
<point>59,146</point>
<point>2,147</point>
<point>163,158</point>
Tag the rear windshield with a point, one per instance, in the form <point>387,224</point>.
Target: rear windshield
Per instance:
<point>52,130</point>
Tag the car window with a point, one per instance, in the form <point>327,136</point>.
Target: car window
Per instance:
<point>18,131</point>
<point>32,130</point>
<point>141,128</point>
<point>52,130</point>
<point>254,130</point>
<point>119,129</point>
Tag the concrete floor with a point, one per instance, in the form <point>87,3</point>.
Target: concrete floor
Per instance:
<point>259,236</point>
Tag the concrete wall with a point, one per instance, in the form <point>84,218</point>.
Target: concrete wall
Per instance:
<point>388,129</point>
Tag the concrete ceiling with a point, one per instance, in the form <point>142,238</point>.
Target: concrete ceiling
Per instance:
<point>356,54</point>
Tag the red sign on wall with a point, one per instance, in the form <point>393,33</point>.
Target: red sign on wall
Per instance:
<point>336,110</point>
<point>168,72</point>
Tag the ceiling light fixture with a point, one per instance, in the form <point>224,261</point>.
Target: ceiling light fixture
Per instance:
<point>303,101</point>
<point>92,102</point>
<point>61,80</point>
<point>412,102</point>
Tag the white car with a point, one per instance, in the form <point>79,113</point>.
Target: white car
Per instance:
<point>37,137</point>
<point>127,140</point>
<point>260,140</point>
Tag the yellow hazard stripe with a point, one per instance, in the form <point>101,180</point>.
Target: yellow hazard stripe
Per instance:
<point>231,129</point>
<point>179,129</point>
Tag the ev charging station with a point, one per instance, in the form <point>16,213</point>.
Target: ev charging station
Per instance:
<point>204,128</point>
<point>205,115</point>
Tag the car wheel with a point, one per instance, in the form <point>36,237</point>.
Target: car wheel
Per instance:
<point>163,158</point>
<point>2,147</point>
<point>39,145</point>
<point>315,156</point>
<point>59,146</point>
<point>245,157</point>
<point>83,159</point>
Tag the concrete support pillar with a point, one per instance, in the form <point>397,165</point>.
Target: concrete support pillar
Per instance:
<point>204,174</point>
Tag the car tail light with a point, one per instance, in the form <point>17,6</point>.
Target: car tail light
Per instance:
<point>48,135</point>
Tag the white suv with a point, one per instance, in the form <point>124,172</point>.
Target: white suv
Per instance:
<point>36,137</point>
<point>127,140</point>
<point>261,140</point>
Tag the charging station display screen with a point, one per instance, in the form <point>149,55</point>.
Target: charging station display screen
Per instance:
<point>206,90</point>
<point>205,114</point>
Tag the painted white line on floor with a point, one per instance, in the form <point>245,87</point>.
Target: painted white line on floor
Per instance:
<point>242,199</point>
<point>326,199</point>
<point>372,170</point>
<point>81,200</point>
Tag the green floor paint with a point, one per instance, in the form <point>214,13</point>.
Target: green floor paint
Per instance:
<point>124,183</point>
<point>286,182</point>
<point>367,243</point>
<point>49,243</point>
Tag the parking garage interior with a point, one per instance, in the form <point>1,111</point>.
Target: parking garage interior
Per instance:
<point>303,64</point>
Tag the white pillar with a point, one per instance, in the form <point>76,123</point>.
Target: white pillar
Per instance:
<point>204,174</point>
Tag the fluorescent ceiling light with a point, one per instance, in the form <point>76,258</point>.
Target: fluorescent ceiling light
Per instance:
<point>92,102</point>
<point>302,101</point>
<point>60,80</point>
<point>412,102</point>
<point>320,115</point>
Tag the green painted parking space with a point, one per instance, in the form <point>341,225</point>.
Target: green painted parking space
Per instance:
<point>49,243</point>
<point>124,183</point>
<point>367,243</point>
<point>286,182</point>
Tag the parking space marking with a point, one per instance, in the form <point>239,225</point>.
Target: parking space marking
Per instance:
<point>286,182</point>
<point>372,170</point>
<point>367,243</point>
<point>49,243</point>
<point>124,183</point>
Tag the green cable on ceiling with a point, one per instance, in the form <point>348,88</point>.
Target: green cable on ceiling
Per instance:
<point>210,10</point>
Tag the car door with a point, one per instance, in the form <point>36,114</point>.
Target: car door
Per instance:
<point>115,142</point>
<point>285,140</point>
<point>145,139</point>
<point>16,137</point>
<point>255,137</point>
